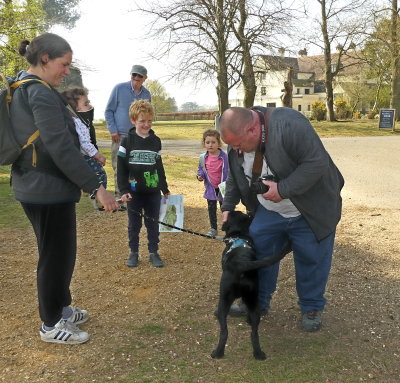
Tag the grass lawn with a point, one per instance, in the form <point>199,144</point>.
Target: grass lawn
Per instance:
<point>12,214</point>
<point>168,130</point>
<point>174,130</point>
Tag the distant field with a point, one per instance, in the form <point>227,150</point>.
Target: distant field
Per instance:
<point>168,130</point>
<point>174,130</point>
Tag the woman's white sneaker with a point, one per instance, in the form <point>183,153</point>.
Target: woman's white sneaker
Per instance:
<point>78,316</point>
<point>64,332</point>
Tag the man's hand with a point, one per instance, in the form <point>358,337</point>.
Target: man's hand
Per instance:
<point>106,199</point>
<point>115,137</point>
<point>272,194</point>
<point>225,216</point>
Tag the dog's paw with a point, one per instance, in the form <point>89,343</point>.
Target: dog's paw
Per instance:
<point>216,354</point>
<point>260,355</point>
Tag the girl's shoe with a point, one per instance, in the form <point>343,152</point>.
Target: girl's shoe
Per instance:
<point>212,232</point>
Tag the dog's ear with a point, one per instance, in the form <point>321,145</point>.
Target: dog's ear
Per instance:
<point>246,220</point>
<point>225,226</point>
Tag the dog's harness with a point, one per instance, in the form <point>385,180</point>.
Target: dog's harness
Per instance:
<point>234,243</point>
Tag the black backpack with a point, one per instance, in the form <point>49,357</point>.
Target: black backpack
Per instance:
<point>9,147</point>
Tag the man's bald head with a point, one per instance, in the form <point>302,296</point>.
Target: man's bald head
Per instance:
<point>234,119</point>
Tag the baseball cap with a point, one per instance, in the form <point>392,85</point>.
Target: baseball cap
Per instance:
<point>139,69</point>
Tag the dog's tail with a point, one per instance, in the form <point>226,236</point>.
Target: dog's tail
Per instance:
<point>260,263</point>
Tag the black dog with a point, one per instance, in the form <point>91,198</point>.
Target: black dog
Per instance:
<point>240,279</point>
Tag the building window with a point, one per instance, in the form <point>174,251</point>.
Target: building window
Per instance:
<point>309,107</point>
<point>263,75</point>
<point>299,108</point>
<point>306,91</point>
<point>298,91</point>
<point>263,91</point>
<point>271,104</point>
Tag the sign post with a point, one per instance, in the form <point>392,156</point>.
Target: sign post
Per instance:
<point>387,118</point>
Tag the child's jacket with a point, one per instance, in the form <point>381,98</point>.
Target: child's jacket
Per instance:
<point>140,168</point>
<point>209,192</point>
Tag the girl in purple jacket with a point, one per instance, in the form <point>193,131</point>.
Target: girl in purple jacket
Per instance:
<point>213,170</point>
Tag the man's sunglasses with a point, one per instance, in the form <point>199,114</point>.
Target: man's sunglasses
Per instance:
<point>137,75</point>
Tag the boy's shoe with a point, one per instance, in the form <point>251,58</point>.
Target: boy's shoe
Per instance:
<point>155,259</point>
<point>64,332</point>
<point>132,259</point>
<point>311,320</point>
<point>212,232</point>
<point>78,316</point>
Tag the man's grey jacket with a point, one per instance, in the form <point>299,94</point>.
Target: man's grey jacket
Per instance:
<point>307,175</point>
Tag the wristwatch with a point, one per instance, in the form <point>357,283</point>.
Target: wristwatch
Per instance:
<point>93,193</point>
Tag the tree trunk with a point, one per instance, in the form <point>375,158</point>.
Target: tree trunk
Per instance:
<point>222,70</point>
<point>222,92</point>
<point>287,97</point>
<point>377,92</point>
<point>248,78</point>
<point>328,63</point>
<point>395,98</point>
<point>249,82</point>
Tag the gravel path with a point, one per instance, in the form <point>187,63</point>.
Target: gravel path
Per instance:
<point>371,169</point>
<point>379,186</point>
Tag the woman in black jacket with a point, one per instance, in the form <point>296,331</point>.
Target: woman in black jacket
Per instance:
<point>49,187</point>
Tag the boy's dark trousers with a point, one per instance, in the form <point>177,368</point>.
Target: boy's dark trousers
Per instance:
<point>149,204</point>
<point>55,230</point>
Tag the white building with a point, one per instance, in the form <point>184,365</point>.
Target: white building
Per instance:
<point>308,80</point>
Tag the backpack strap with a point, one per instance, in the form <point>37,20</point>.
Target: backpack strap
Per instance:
<point>36,134</point>
<point>16,84</point>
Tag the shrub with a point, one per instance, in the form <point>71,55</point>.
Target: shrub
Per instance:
<point>318,111</point>
<point>343,109</point>
<point>371,114</point>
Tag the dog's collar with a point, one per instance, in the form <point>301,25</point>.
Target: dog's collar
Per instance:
<point>234,242</point>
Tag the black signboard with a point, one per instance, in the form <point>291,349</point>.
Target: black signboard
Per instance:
<point>387,118</point>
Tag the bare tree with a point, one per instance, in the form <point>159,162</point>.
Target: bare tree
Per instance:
<point>342,24</point>
<point>198,32</point>
<point>395,98</point>
<point>218,39</point>
<point>257,27</point>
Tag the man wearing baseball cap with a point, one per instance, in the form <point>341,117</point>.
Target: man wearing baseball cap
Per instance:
<point>117,111</point>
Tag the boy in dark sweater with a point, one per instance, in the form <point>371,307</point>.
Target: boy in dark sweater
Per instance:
<point>141,178</point>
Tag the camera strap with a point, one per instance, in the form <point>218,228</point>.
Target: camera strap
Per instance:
<point>259,155</point>
<point>257,166</point>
